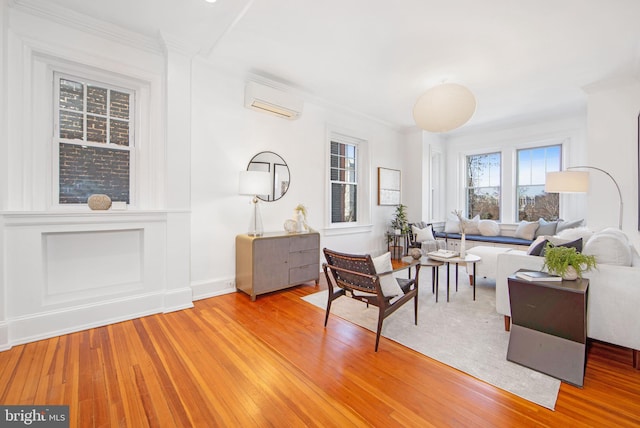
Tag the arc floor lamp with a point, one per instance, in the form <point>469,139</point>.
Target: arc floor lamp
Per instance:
<point>577,182</point>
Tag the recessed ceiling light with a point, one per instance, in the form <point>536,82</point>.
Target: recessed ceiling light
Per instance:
<point>210,1</point>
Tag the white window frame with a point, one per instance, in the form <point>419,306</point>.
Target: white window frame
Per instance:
<point>500,187</point>
<point>57,141</point>
<point>516,169</point>
<point>363,176</point>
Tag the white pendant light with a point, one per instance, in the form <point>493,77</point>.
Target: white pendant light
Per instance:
<point>444,108</point>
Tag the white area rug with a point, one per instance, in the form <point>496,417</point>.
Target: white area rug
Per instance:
<point>465,334</point>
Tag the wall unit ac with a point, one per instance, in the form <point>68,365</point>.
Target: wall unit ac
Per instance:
<point>271,100</point>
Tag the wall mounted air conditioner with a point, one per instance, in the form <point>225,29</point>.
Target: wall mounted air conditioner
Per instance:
<point>271,100</point>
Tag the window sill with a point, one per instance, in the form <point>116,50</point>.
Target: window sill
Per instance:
<point>347,230</point>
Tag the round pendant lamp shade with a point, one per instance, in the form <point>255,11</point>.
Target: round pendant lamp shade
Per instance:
<point>444,108</point>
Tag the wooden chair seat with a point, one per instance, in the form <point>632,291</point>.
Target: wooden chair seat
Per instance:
<point>355,276</point>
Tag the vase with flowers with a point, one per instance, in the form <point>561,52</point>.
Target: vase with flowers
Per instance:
<point>463,225</point>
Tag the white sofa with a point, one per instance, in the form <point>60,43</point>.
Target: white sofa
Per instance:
<point>613,306</point>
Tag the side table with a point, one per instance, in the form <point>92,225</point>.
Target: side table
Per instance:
<point>549,327</point>
<point>469,258</point>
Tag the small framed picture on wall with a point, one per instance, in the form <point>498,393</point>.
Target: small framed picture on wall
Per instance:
<point>388,186</point>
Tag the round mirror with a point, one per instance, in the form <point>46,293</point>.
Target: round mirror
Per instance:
<point>277,167</point>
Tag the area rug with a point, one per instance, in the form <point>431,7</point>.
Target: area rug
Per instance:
<point>462,333</point>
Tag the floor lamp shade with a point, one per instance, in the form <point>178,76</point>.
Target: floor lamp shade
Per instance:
<point>254,183</point>
<point>567,182</point>
<point>578,182</point>
<point>444,108</point>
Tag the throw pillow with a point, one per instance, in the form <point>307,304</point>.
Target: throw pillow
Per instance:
<point>563,224</point>
<point>577,244</point>
<point>452,226</point>
<point>421,235</point>
<point>536,247</point>
<point>489,228</point>
<point>471,226</point>
<point>546,227</point>
<point>526,230</point>
<point>388,282</point>
<point>609,249</point>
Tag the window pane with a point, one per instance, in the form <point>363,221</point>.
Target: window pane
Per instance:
<point>119,106</point>
<point>483,185</point>
<point>343,203</point>
<point>484,201</point>
<point>71,125</point>
<point>71,95</point>
<point>534,203</point>
<point>96,129</point>
<point>88,170</point>
<point>119,132</point>
<point>533,165</point>
<point>96,100</point>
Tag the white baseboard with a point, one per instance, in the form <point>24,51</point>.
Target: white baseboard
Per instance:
<point>177,300</point>
<point>4,336</point>
<point>206,289</point>
<point>55,323</point>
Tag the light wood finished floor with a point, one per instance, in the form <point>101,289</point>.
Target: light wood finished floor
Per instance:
<point>233,363</point>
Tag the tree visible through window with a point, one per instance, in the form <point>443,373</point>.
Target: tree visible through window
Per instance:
<point>344,183</point>
<point>94,140</point>
<point>533,164</point>
<point>483,185</point>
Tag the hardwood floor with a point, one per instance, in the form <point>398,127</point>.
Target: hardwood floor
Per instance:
<point>233,362</point>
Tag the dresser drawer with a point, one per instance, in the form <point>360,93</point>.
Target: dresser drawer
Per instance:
<point>304,242</point>
<point>300,274</point>
<point>302,258</point>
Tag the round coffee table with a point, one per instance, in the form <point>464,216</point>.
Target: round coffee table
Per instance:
<point>469,258</point>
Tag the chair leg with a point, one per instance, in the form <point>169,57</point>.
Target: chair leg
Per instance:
<point>329,300</point>
<point>415,308</point>
<point>636,359</point>
<point>507,323</point>
<point>380,319</point>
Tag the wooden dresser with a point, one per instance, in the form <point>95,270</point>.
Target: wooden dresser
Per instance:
<point>275,261</point>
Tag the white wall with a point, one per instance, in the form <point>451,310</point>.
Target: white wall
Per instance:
<point>226,135</point>
<point>65,269</point>
<point>613,146</point>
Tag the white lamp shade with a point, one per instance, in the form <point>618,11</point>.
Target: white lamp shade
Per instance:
<point>254,183</point>
<point>444,108</point>
<point>567,182</point>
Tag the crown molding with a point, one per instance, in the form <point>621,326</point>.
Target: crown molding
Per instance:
<point>88,24</point>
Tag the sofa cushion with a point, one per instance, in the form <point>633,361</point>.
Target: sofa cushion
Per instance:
<point>422,234</point>
<point>452,225</point>
<point>574,233</point>
<point>489,228</point>
<point>577,244</point>
<point>526,230</point>
<point>471,226</point>
<point>388,282</point>
<point>609,248</point>
<point>546,227</point>
<point>536,247</point>
<point>564,224</point>
<point>495,239</point>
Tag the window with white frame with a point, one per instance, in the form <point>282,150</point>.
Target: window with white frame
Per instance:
<point>343,182</point>
<point>532,166</point>
<point>93,140</point>
<point>483,185</point>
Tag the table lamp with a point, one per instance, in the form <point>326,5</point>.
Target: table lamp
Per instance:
<point>255,183</point>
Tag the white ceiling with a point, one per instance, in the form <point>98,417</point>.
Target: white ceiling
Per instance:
<point>377,57</point>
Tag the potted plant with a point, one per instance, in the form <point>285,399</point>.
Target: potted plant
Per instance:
<point>567,262</point>
<point>400,226</point>
<point>399,222</point>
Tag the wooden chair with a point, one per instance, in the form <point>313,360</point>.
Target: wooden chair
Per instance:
<point>355,276</point>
